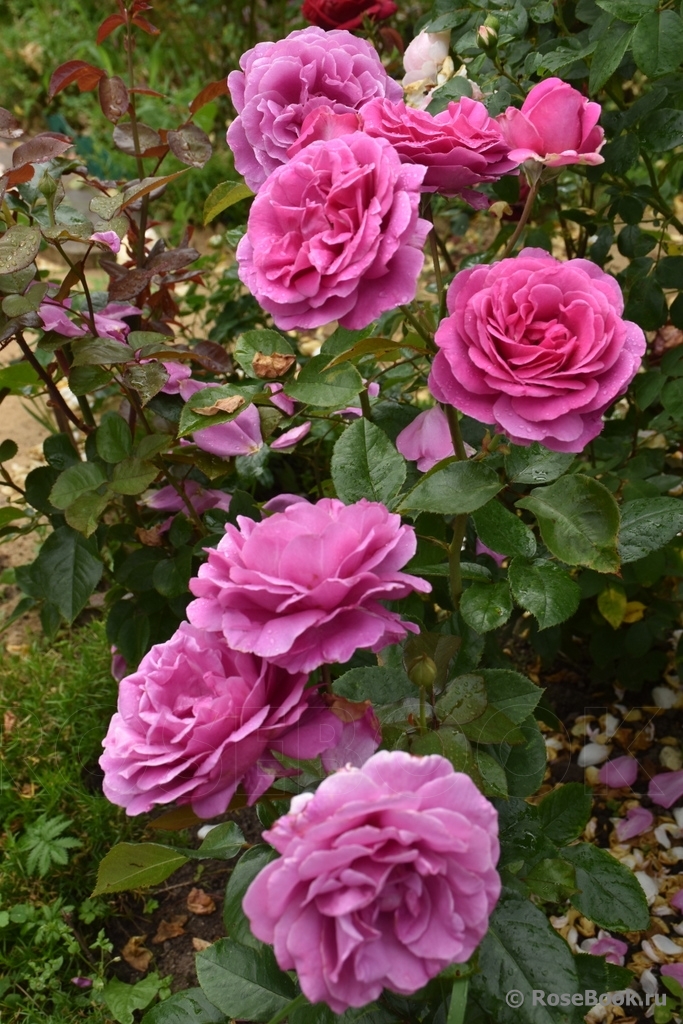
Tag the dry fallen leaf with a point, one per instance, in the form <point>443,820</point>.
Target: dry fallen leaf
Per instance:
<point>198,902</point>
<point>9,721</point>
<point>170,929</point>
<point>200,944</point>
<point>275,365</point>
<point>222,405</point>
<point>135,954</point>
<point>150,538</point>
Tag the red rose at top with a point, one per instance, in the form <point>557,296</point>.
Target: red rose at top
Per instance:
<point>329,14</point>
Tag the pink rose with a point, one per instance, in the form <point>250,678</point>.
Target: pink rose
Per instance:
<point>109,321</point>
<point>425,55</point>
<point>349,14</point>
<point>280,83</point>
<point>197,718</point>
<point>335,234</point>
<point>556,126</point>
<point>536,347</point>
<point>427,439</point>
<point>305,586</point>
<point>177,372</point>
<point>240,436</point>
<point>361,734</point>
<point>462,146</point>
<point>387,876</point>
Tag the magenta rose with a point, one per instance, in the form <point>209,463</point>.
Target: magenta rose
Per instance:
<point>461,147</point>
<point>536,347</point>
<point>280,83</point>
<point>197,718</point>
<point>556,126</point>
<point>329,14</point>
<point>335,234</point>
<point>305,586</point>
<point>387,876</point>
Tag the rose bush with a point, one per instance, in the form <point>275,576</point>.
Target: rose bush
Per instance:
<point>537,347</point>
<point>346,14</point>
<point>387,875</point>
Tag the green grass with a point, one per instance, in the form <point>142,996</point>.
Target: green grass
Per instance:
<point>55,827</point>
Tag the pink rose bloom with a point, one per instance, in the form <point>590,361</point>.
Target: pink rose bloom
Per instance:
<point>335,234</point>
<point>289,440</point>
<point>387,876</point>
<point>425,55</point>
<point>613,950</point>
<point>622,771</point>
<point>321,125</point>
<point>461,147</point>
<point>665,789</point>
<point>305,586</point>
<point>537,347</point>
<point>108,322</point>
<point>637,821</point>
<point>280,83</point>
<point>556,126</point>
<point>177,372</point>
<point>197,718</point>
<point>240,436</point>
<point>427,439</point>
<point>107,238</point>
<point>167,499</point>
<point>360,738</point>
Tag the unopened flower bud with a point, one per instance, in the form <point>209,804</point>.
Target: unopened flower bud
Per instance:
<point>487,34</point>
<point>422,671</point>
<point>47,186</point>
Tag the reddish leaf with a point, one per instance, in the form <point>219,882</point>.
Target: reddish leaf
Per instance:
<point>147,92</point>
<point>108,26</point>
<point>114,99</point>
<point>39,150</point>
<point>212,357</point>
<point>78,71</point>
<point>129,286</point>
<point>125,141</point>
<point>140,5</point>
<point>19,175</point>
<point>9,126</point>
<point>139,189</point>
<point>174,259</point>
<point>208,93</point>
<point>190,145</point>
<point>145,25</point>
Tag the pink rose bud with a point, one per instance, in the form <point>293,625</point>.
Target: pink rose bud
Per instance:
<point>487,34</point>
<point>387,876</point>
<point>556,126</point>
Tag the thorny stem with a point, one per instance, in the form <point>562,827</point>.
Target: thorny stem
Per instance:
<point>526,213</point>
<point>136,142</point>
<point>56,397</point>
<point>460,521</point>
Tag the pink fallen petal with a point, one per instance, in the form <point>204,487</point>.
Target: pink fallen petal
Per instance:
<point>677,900</point>
<point>637,821</point>
<point>622,771</point>
<point>674,971</point>
<point>613,950</point>
<point>82,982</point>
<point>289,440</point>
<point>361,735</point>
<point>481,549</point>
<point>666,789</point>
<point>177,372</point>
<point>282,401</point>
<point>108,238</point>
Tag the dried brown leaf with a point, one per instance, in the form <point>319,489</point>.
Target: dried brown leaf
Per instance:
<point>170,929</point>
<point>200,944</point>
<point>135,954</point>
<point>270,367</point>
<point>199,902</point>
<point>229,404</point>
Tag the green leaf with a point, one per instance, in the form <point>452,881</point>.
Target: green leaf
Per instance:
<point>658,43</point>
<point>84,379</point>
<point>486,606</point>
<point>8,514</point>
<point>502,531</point>
<point>100,352</point>
<point>68,571</point>
<point>612,603</point>
<point>610,894</point>
<point>224,195</point>
<point>74,481</point>
<point>662,130</point>
<point>18,377</point>
<point>84,513</point>
<point>365,464</point>
<point>524,765</point>
<point>564,812</point>
<point>9,448</point>
<point>449,92</point>
<point>647,524</point>
<point>579,521</point>
<point>122,1000</point>
<point>243,874</point>
<point>669,271</point>
<point>133,476</point>
<point>244,982</point>
<point>535,464</point>
<point>222,843</point>
<point>448,742</point>
<point>147,379</point>
<point>464,700</point>
<point>380,685</point>
<point>267,343</point>
<point>544,589</point>
<point>191,420</point>
<point>136,866</point>
<point>492,774</point>
<point>18,248</point>
<point>492,726</point>
<point>511,692</point>
<point>454,488</point>
<point>610,49</point>
<point>628,10</point>
<point>188,1007</point>
<point>172,576</point>
<point>522,952</point>
<point>552,879</point>
<point>113,438</point>
<point>153,444</point>
<point>328,389</point>
<point>18,305</point>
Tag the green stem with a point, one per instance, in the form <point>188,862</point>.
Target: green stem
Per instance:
<point>286,1010</point>
<point>54,392</point>
<point>526,213</point>
<point>136,142</point>
<point>663,206</point>
<point>454,573</point>
<point>440,290</point>
<point>414,322</point>
<point>423,711</point>
<point>456,434</point>
<point>365,404</point>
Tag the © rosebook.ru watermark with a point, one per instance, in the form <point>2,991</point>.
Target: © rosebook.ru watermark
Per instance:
<point>626,997</point>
